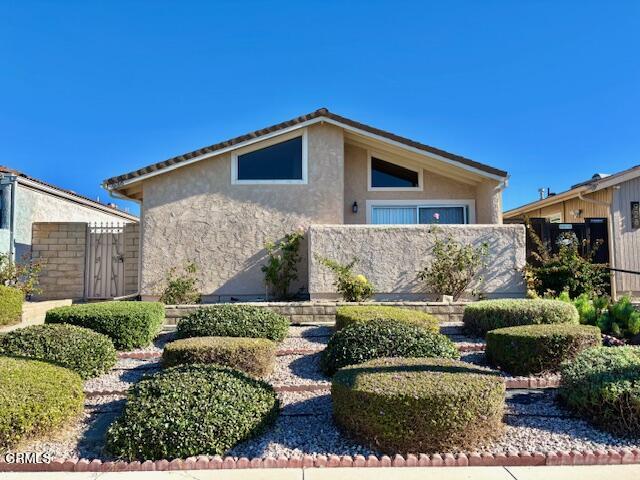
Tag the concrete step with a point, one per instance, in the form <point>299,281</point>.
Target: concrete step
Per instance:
<point>452,328</point>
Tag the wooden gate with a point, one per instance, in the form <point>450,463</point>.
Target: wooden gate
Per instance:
<point>104,269</point>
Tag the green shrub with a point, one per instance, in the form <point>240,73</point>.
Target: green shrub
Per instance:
<point>570,270</point>
<point>349,315</point>
<point>282,263</point>
<point>84,351</point>
<point>619,319</point>
<point>603,386</point>
<point>533,349</point>
<point>11,300</point>
<point>480,317</point>
<point>191,410</point>
<point>454,266</point>
<point>255,356</point>
<point>181,288</point>
<point>36,399</point>
<point>383,338</point>
<point>128,324</point>
<point>234,321</point>
<point>418,405</point>
<point>352,287</point>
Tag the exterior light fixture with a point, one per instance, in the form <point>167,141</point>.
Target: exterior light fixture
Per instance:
<point>354,207</point>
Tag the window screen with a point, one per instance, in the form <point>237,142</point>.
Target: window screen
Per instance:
<point>282,161</point>
<point>389,175</point>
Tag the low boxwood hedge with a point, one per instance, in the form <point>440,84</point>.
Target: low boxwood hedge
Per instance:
<point>36,399</point>
<point>84,351</point>
<point>11,300</point>
<point>602,385</point>
<point>255,356</point>
<point>418,405</point>
<point>128,324</point>
<point>480,317</point>
<point>191,410</point>
<point>234,321</point>
<point>383,338</point>
<point>534,349</point>
<point>349,315</point>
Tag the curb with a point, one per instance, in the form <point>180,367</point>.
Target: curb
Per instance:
<point>512,459</point>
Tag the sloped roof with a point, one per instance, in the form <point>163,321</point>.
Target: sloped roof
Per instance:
<point>69,193</point>
<point>321,113</point>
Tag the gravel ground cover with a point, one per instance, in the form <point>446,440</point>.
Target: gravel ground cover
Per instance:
<point>534,420</point>
<point>126,372</point>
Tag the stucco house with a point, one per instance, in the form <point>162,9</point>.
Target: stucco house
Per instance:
<point>25,200</point>
<point>609,207</point>
<point>219,204</point>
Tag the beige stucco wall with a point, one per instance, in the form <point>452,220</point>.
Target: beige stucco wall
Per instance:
<point>391,256</point>
<point>195,213</point>
<point>487,196</point>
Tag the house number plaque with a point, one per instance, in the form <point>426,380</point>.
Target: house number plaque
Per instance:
<point>635,214</point>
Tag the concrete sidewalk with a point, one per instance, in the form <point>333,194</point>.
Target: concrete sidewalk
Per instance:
<point>594,472</point>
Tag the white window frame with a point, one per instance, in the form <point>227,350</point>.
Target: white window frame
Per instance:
<point>468,204</point>
<point>398,161</point>
<point>267,143</point>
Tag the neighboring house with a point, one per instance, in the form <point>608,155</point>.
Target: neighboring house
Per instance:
<point>218,205</point>
<point>25,200</point>
<point>608,205</point>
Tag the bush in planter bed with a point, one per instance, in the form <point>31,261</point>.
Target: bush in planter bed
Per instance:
<point>603,385</point>
<point>234,321</point>
<point>533,349</point>
<point>11,300</point>
<point>190,410</point>
<point>128,324</point>
<point>349,315</point>
<point>84,351</point>
<point>480,317</point>
<point>401,405</point>
<point>383,338</point>
<point>36,399</point>
<point>255,356</point>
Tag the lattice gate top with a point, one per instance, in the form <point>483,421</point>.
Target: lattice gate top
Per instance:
<point>104,272</point>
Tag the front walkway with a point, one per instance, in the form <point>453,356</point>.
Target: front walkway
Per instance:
<point>595,472</point>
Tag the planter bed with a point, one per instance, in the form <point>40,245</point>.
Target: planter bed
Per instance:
<point>536,425</point>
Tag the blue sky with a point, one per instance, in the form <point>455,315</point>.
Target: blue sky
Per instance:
<point>548,90</point>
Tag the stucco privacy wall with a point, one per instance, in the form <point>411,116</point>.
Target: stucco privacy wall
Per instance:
<point>195,213</point>
<point>391,256</point>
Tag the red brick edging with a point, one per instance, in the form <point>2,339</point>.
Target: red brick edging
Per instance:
<point>574,457</point>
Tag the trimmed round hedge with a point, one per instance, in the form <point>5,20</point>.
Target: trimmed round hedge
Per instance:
<point>418,405</point>
<point>534,349</point>
<point>348,315</point>
<point>36,399</point>
<point>11,300</point>
<point>480,317</point>
<point>255,356</point>
<point>84,351</point>
<point>234,321</point>
<point>602,385</point>
<point>128,324</point>
<point>190,410</point>
<point>383,338</point>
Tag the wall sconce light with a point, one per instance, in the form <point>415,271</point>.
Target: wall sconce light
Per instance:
<point>354,207</point>
<point>577,213</point>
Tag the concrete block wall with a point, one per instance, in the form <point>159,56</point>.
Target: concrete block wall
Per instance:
<point>131,257</point>
<point>61,247</point>
<point>317,312</point>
